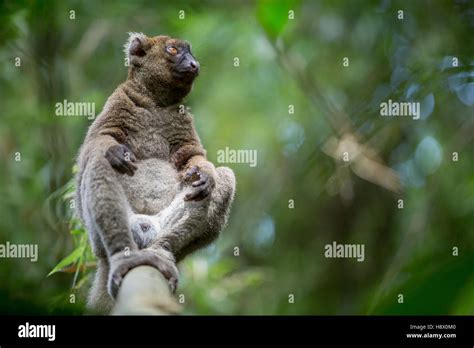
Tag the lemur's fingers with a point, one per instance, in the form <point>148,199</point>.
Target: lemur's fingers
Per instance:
<point>124,167</point>
<point>132,157</point>
<point>121,158</point>
<point>170,272</point>
<point>200,182</point>
<point>116,278</point>
<point>167,267</point>
<point>198,193</point>
<point>201,188</point>
<point>114,286</point>
<point>128,167</point>
<point>173,283</point>
<point>203,179</point>
<point>191,173</point>
<point>131,168</point>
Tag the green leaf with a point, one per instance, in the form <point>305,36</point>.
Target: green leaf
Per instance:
<point>273,15</point>
<point>77,231</point>
<point>430,290</point>
<point>68,260</point>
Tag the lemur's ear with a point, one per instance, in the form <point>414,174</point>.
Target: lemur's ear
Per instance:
<point>136,45</point>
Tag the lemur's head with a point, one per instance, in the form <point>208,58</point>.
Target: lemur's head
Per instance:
<point>144,230</point>
<point>165,66</point>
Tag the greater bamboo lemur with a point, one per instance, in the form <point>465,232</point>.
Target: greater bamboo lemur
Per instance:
<point>142,155</point>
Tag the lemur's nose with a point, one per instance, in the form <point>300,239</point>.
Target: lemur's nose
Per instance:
<point>193,65</point>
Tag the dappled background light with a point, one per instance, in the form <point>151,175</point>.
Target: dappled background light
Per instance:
<point>302,194</point>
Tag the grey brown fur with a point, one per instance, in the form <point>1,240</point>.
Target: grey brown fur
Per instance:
<point>143,156</point>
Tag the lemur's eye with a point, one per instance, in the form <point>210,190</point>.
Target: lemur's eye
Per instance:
<point>145,227</point>
<point>172,50</point>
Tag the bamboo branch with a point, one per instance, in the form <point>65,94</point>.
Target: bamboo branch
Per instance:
<point>145,291</point>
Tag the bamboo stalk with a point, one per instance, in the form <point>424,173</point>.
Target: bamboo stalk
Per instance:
<point>145,291</point>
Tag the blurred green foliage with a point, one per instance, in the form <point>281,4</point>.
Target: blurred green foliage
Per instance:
<point>283,62</point>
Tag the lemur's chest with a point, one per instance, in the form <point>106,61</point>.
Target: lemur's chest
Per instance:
<point>149,143</point>
<point>161,132</point>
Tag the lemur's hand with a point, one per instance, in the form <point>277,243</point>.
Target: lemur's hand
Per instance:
<point>202,183</point>
<point>121,159</point>
<point>123,262</point>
